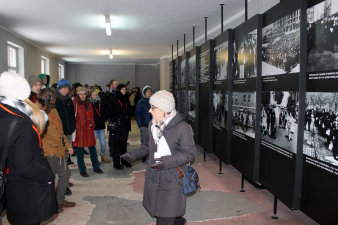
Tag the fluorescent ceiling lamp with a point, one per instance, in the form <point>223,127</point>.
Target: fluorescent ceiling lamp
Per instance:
<point>108,25</point>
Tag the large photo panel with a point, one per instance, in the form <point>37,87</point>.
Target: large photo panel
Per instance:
<point>281,47</point>
<point>320,165</point>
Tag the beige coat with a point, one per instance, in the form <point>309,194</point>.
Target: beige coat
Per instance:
<point>53,135</point>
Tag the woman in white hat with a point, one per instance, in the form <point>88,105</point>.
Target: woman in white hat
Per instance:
<point>171,144</point>
<point>30,181</point>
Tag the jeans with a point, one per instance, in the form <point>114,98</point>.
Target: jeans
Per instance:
<point>93,157</point>
<point>102,139</point>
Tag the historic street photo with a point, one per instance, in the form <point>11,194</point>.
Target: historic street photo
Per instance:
<point>321,134</point>
<point>244,112</point>
<point>183,74</point>
<point>244,56</point>
<point>220,109</point>
<point>192,104</point>
<point>192,70</point>
<point>221,61</point>
<point>279,118</point>
<point>322,36</point>
<point>280,47</point>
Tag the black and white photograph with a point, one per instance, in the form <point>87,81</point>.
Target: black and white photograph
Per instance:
<point>192,70</point>
<point>244,112</point>
<point>220,108</point>
<point>183,73</point>
<point>279,119</point>
<point>221,61</point>
<point>281,46</point>
<point>244,56</point>
<point>322,36</point>
<point>320,133</point>
<point>192,104</point>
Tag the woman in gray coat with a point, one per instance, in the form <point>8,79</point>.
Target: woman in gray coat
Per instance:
<point>170,145</point>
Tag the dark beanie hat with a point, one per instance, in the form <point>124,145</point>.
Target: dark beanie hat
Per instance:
<point>120,86</point>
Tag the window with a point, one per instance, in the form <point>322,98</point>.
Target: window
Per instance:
<point>15,56</point>
<point>61,71</point>
<point>12,59</point>
<point>44,65</point>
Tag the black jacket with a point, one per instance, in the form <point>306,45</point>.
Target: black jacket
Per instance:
<point>30,195</point>
<point>99,115</point>
<point>65,108</point>
<point>118,109</point>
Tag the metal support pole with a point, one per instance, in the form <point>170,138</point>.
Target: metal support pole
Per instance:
<point>206,28</point>
<point>246,10</point>
<point>177,48</point>
<point>172,52</point>
<point>220,167</point>
<point>184,42</point>
<point>222,17</point>
<point>275,217</point>
<point>193,36</point>
<point>242,184</point>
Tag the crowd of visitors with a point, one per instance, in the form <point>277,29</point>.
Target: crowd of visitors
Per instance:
<point>46,124</point>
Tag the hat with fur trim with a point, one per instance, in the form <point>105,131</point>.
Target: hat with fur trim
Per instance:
<point>164,100</point>
<point>14,86</point>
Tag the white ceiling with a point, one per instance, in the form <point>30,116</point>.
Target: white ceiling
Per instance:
<point>142,30</point>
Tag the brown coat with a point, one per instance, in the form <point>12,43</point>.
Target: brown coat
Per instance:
<point>163,189</point>
<point>52,138</point>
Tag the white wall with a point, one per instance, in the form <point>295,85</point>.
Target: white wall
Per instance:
<point>32,56</point>
<point>101,74</point>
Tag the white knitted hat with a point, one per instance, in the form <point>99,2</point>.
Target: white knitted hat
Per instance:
<point>14,86</point>
<point>164,100</point>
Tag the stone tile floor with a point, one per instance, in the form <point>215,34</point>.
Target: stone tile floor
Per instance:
<point>115,197</point>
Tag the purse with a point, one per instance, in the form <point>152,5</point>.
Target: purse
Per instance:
<point>2,167</point>
<point>190,180</point>
<point>113,126</point>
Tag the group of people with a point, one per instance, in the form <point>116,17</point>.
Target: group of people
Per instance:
<point>325,122</point>
<point>50,124</point>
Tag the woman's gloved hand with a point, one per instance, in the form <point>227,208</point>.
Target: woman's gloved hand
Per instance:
<point>158,165</point>
<point>127,157</point>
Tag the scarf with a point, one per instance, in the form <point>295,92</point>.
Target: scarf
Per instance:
<point>159,126</point>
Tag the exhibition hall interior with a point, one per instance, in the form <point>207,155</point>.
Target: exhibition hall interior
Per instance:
<point>256,80</point>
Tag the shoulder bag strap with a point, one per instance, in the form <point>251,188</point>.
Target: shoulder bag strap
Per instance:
<point>4,154</point>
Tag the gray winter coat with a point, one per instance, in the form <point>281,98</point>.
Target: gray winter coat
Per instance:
<point>163,189</point>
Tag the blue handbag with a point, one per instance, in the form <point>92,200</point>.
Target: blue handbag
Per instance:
<point>190,180</point>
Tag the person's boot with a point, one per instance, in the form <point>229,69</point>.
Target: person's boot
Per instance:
<point>104,159</point>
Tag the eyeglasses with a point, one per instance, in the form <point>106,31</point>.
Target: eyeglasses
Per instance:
<point>153,107</point>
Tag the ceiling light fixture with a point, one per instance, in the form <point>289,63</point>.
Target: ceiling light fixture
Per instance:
<point>108,25</point>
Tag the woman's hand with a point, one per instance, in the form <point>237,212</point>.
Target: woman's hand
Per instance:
<point>158,165</point>
<point>127,157</point>
<point>70,151</point>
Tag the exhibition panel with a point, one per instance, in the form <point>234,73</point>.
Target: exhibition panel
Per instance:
<point>320,145</point>
<point>245,74</point>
